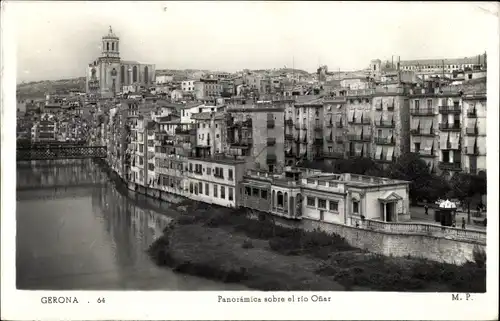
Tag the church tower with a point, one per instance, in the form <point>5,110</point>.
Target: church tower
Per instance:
<point>110,45</point>
<point>109,64</point>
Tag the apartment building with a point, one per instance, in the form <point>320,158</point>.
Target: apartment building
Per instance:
<point>335,125</point>
<point>215,179</point>
<point>309,124</point>
<point>391,120</point>
<point>474,133</point>
<point>207,88</point>
<point>187,85</point>
<point>266,144</point>
<point>139,163</point>
<point>211,133</point>
<point>359,123</point>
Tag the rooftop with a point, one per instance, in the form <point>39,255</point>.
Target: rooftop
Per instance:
<point>209,115</point>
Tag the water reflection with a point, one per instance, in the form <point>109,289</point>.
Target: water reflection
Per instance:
<point>91,239</point>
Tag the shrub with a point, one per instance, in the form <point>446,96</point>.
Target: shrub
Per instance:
<point>479,255</point>
<point>247,244</point>
<point>286,246</point>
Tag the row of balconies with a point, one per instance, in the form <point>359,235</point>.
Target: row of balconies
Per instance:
<point>362,121</point>
<point>359,138</point>
<point>450,109</point>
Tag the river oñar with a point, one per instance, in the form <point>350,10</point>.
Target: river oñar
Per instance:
<point>77,231</point>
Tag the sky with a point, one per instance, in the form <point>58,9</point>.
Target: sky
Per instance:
<point>57,40</point>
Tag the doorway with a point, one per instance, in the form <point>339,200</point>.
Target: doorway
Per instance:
<point>390,212</point>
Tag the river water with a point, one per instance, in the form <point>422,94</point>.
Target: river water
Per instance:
<point>76,230</point>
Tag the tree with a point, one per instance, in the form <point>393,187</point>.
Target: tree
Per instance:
<point>423,185</point>
<point>465,187</point>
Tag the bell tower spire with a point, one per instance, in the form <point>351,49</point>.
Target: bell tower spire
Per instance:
<point>110,45</point>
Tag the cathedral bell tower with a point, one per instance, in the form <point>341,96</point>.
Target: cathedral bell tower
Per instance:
<point>110,46</point>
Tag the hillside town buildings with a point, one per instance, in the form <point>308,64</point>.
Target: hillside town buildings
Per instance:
<point>238,139</point>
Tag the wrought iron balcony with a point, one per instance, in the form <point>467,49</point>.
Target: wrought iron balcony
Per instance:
<point>318,128</point>
<point>422,112</point>
<point>270,124</point>
<point>271,141</point>
<point>335,155</point>
<point>318,141</point>
<point>456,166</point>
<point>385,124</point>
<point>359,138</point>
<point>288,137</point>
<point>450,109</point>
<point>384,140</point>
<point>419,132</point>
<point>339,139</point>
<point>449,127</point>
<point>289,122</point>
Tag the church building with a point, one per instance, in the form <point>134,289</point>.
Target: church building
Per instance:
<point>108,74</point>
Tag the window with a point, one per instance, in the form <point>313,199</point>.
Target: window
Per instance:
<point>334,206</point>
<point>231,193</point>
<point>417,104</point>
<point>321,203</point>
<point>223,192</point>
<point>207,189</point>
<point>191,188</point>
<point>263,194</point>
<point>215,190</point>
<point>417,147</point>
<point>311,201</point>
<point>141,148</point>
<point>209,170</point>
<point>230,174</point>
<point>429,103</point>
<point>190,167</point>
<point>151,166</point>
<point>355,207</point>
<point>219,172</point>
<point>200,187</point>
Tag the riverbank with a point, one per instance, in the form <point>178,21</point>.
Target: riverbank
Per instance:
<point>227,245</point>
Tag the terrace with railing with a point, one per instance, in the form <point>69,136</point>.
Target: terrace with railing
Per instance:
<point>422,229</point>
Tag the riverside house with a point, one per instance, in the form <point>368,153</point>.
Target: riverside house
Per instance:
<point>301,193</point>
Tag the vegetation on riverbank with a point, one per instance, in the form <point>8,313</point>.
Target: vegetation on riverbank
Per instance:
<point>225,244</point>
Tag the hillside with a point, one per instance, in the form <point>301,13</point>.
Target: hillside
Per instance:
<point>38,89</point>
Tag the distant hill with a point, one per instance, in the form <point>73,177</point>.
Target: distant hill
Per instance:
<point>38,89</point>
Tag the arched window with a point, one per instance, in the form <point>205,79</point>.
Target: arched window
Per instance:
<point>134,74</point>
<point>285,202</point>
<point>146,75</point>
<point>107,45</point>
<point>122,74</point>
<point>113,46</point>
<point>280,199</point>
<point>273,199</point>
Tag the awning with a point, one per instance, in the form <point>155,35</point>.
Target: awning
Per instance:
<point>428,143</point>
<point>481,126</point>
<point>471,122</point>
<point>358,148</point>
<point>470,142</point>
<point>390,153</point>
<point>415,122</point>
<point>366,115</point>
<point>443,140</point>
<point>425,125</point>
<point>455,140</point>
<point>350,115</point>
<point>358,114</point>
<point>358,130</point>
<point>378,152</point>
<point>481,144</point>
<point>378,102</point>
<point>339,118</point>
<point>390,102</point>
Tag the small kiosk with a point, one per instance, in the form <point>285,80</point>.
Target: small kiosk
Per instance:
<point>446,213</point>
